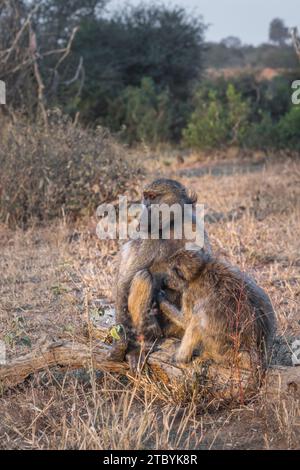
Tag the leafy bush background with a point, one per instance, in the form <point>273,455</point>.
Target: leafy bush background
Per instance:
<point>258,115</point>
<point>144,113</point>
<point>215,121</point>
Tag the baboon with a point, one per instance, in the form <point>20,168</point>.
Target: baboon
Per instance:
<point>142,269</point>
<point>223,311</point>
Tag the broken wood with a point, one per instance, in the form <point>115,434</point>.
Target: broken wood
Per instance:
<point>204,379</point>
<point>282,383</point>
<point>100,356</point>
<point>66,354</point>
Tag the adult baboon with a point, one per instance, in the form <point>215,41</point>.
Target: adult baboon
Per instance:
<point>223,310</point>
<point>142,269</point>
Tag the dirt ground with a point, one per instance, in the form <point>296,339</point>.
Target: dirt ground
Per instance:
<point>51,276</point>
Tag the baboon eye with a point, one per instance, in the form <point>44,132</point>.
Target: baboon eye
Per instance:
<point>150,196</point>
<point>179,273</point>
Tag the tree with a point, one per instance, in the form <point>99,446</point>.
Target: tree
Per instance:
<point>36,60</point>
<point>278,32</point>
<point>232,42</point>
<point>161,43</point>
<point>217,120</point>
<point>296,41</point>
<point>145,113</point>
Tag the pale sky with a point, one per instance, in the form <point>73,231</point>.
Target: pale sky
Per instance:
<point>247,19</point>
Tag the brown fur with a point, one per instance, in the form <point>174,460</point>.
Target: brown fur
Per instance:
<point>223,310</point>
<point>143,265</point>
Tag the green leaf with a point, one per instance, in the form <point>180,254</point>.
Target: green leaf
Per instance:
<point>114,332</point>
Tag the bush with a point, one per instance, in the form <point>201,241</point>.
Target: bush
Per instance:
<point>206,128</point>
<point>289,129</point>
<point>144,112</point>
<point>284,134</point>
<point>238,110</point>
<point>64,168</point>
<point>262,134</point>
<point>163,43</point>
<point>217,121</point>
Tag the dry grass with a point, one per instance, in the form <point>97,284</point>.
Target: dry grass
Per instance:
<point>50,275</point>
<point>61,169</point>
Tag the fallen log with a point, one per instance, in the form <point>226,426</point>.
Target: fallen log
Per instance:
<point>159,370</point>
<point>66,354</point>
<point>104,350</point>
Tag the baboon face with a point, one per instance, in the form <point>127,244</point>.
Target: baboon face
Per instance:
<point>184,266</point>
<point>167,191</point>
<point>175,279</point>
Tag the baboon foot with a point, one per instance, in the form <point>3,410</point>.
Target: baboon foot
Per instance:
<point>136,359</point>
<point>118,351</point>
<point>182,357</point>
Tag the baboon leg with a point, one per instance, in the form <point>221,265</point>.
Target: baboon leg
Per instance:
<point>171,330</point>
<point>140,298</point>
<point>140,302</point>
<point>144,324</point>
<point>191,339</point>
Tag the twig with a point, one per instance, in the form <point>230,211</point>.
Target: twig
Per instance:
<point>37,74</point>
<point>68,48</point>
<point>296,40</point>
<point>26,23</point>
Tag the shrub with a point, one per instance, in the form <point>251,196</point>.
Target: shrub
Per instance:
<point>262,134</point>
<point>238,111</point>
<point>206,128</point>
<point>63,168</point>
<point>216,120</point>
<point>284,134</point>
<point>289,129</point>
<point>144,112</point>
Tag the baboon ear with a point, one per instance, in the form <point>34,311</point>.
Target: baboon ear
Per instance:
<point>149,195</point>
<point>190,255</point>
<point>183,256</point>
<point>177,255</point>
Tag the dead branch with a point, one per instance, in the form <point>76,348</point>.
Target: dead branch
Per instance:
<point>19,34</point>
<point>103,357</point>
<point>37,74</point>
<point>77,73</point>
<point>296,41</point>
<point>67,50</point>
<point>18,60</point>
<point>207,380</point>
<point>60,353</point>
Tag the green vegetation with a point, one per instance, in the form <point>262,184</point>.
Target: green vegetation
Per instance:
<point>140,72</point>
<point>246,112</point>
<point>289,129</point>
<point>145,113</point>
<point>216,122</point>
<point>147,58</point>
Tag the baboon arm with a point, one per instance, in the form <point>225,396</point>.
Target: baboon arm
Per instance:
<point>172,314</point>
<point>123,281</point>
<point>130,262</point>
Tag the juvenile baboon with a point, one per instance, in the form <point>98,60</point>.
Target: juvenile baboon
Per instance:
<point>142,269</point>
<point>223,310</point>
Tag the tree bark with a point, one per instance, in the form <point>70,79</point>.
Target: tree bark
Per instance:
<point>206,380</point>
